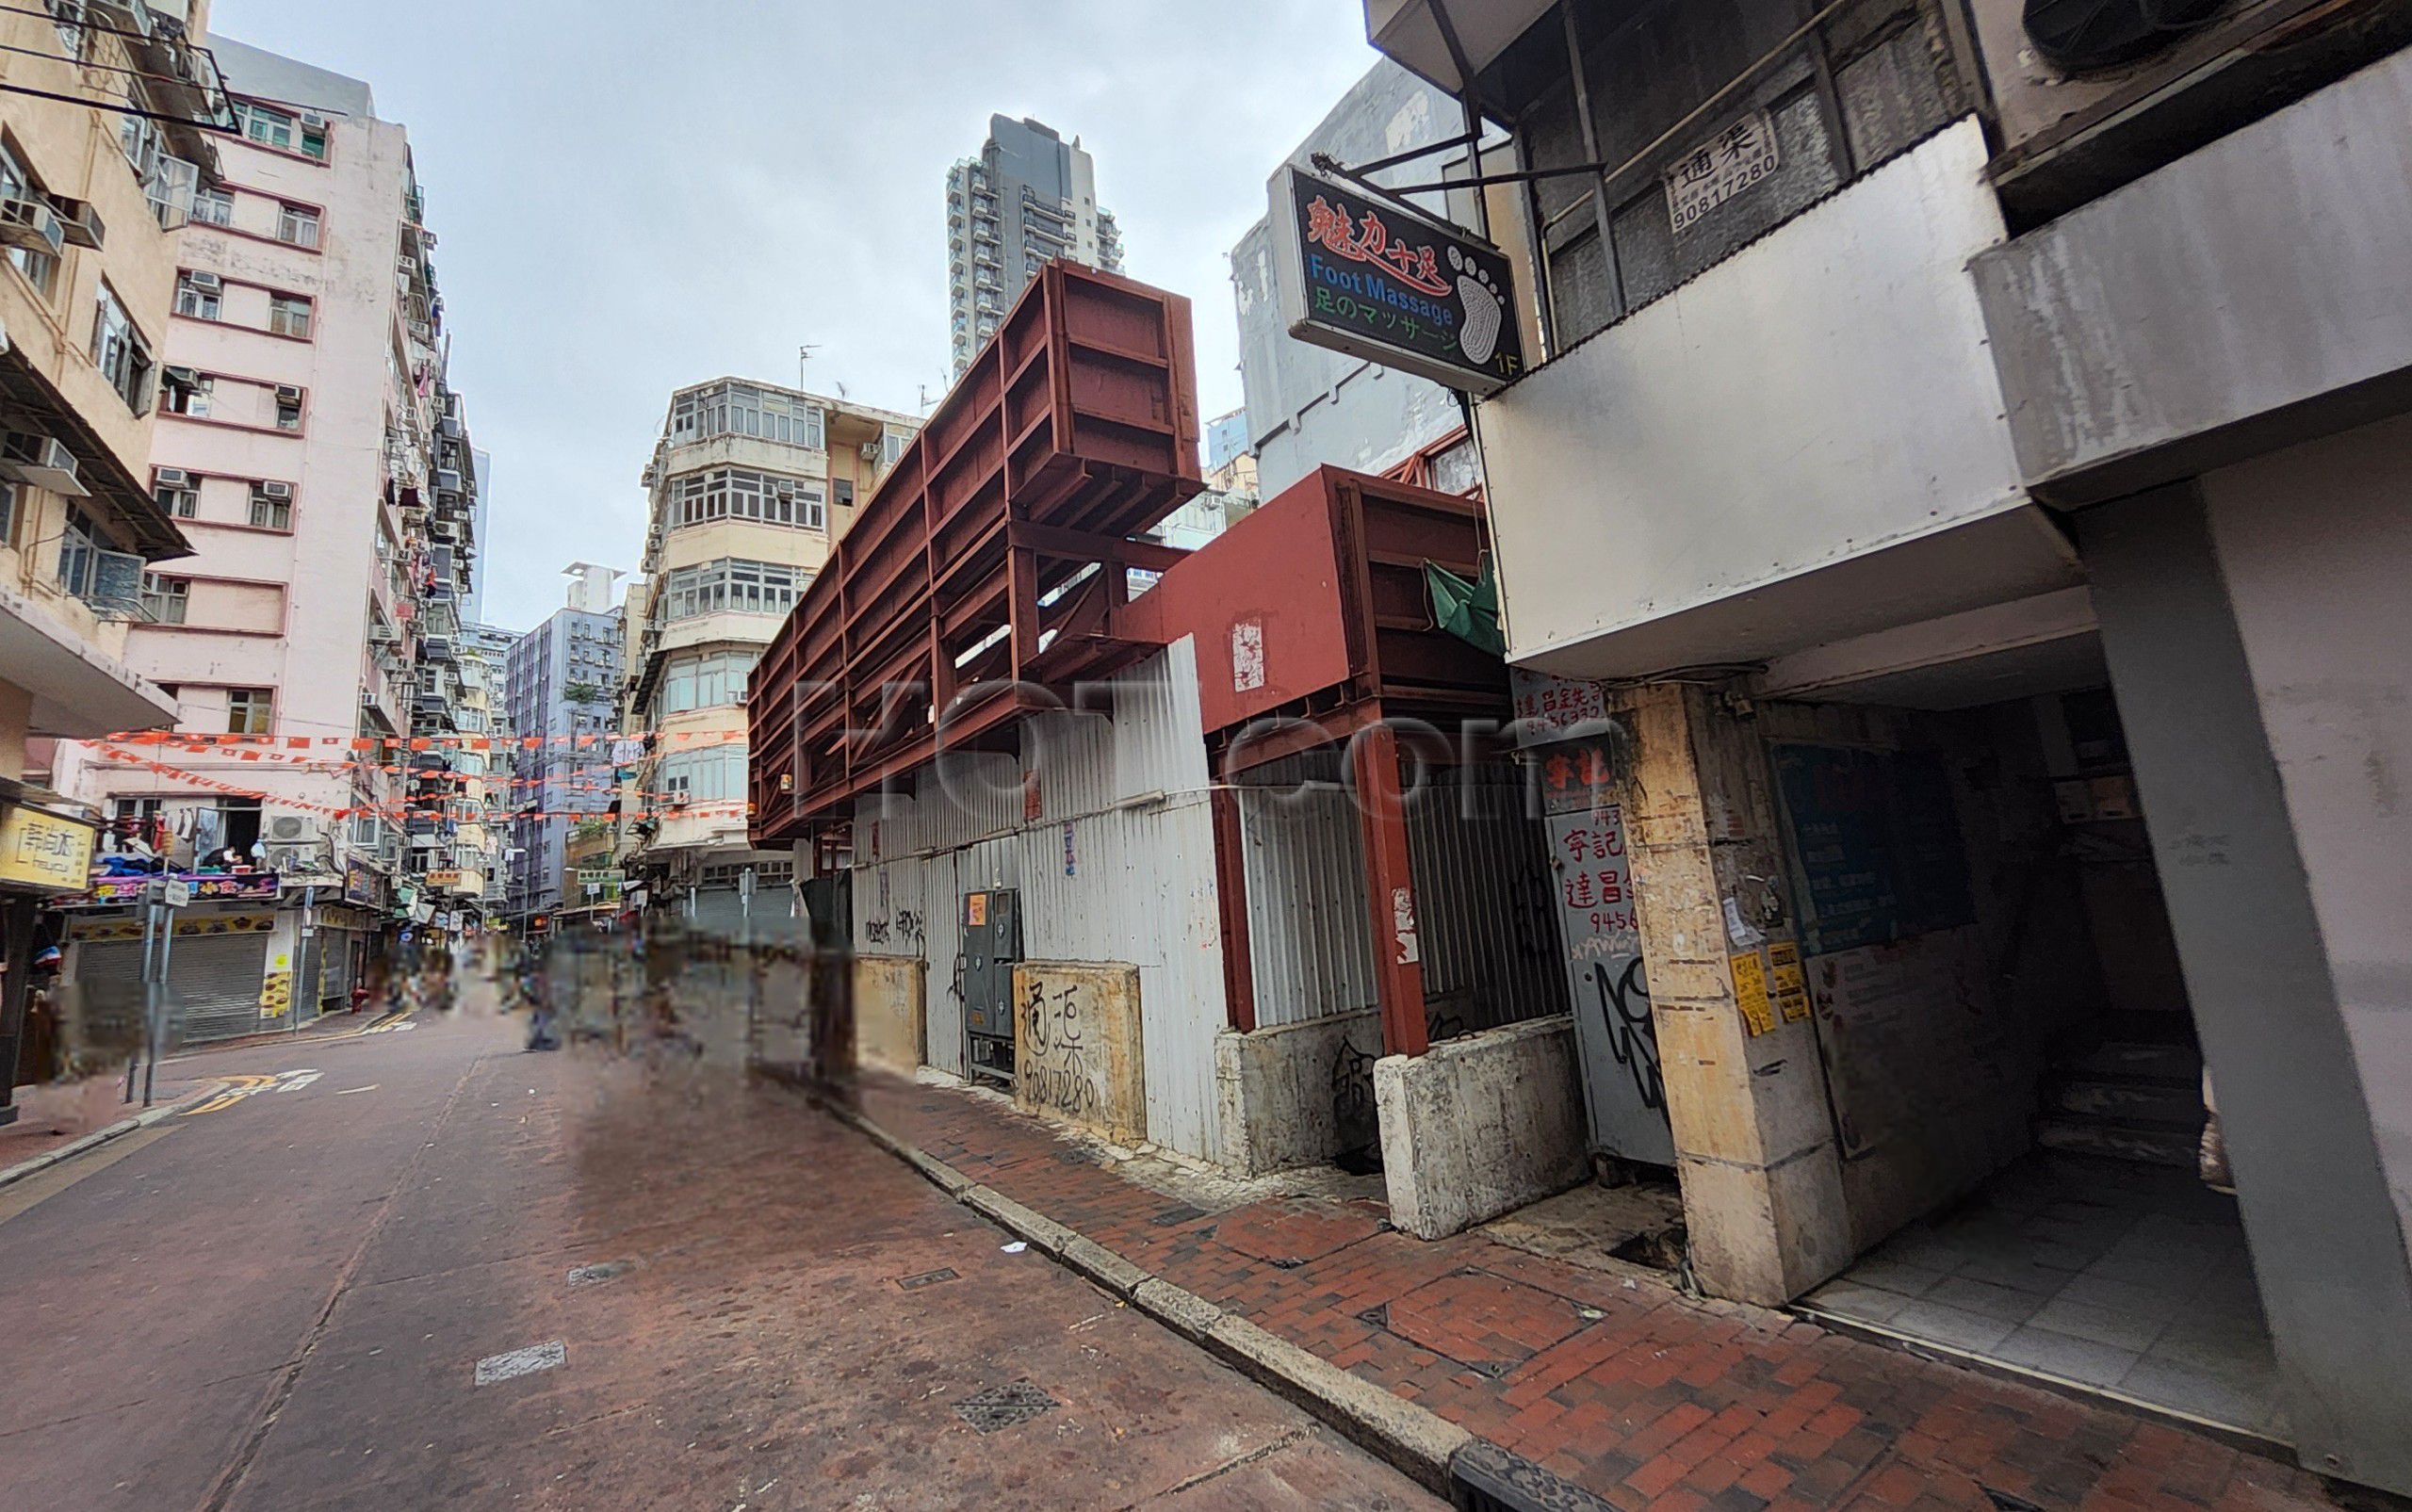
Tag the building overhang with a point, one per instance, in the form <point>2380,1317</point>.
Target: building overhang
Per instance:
<point>1803,444</point>
<point>78,692</point>
<point>112,490</point>
<point>2249,296</point>
<point>1432,39</point>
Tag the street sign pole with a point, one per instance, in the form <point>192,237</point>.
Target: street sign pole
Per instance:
<point>150,998</point>
<point>745,944</point>
<point>159,998</point>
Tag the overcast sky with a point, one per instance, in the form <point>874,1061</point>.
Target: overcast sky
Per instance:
<point>633,195</point>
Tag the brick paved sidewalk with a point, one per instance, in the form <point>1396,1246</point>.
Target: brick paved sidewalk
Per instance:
<point>1640,1396</point>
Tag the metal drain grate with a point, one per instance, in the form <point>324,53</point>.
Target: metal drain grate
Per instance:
<point>914,1283</point>
<point>1003,1407</point>
<point>1484,1477</point>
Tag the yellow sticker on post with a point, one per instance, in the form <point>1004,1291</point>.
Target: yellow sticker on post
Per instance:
<point>1751,993</point>
<point>1791,983</point>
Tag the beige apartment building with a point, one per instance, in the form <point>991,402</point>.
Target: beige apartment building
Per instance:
<point>90,197</point>
<point>750,486</point>
<point>105,118</point>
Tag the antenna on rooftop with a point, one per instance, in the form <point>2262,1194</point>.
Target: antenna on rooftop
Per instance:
<point>803,355</point>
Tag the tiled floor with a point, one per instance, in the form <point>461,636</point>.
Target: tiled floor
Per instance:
<point>2129,1278</point>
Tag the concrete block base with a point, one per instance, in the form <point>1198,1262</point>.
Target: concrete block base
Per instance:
<point>890,1029</point>
<point>1298,1093</point>
<point>1481,1125</point>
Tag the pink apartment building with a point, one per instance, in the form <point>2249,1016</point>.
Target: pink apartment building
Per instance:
<point>308,445</point>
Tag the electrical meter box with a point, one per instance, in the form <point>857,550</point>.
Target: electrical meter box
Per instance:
<point>991,945</point>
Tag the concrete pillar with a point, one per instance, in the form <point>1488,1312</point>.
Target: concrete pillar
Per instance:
<point>2256,646</point>
<point>1754,1142</point>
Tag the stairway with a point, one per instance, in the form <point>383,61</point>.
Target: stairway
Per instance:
<point>2131,1089</point>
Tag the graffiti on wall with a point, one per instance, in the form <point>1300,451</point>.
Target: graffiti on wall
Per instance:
<point>1052,1060</point>
<point>1613,1030</point>
<point>1077,1045</point>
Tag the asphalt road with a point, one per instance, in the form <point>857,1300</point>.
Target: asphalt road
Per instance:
<point>283,1301</point>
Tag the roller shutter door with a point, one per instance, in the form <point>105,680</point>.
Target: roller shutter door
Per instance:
<point>214,981</point>
<point>108,987</point>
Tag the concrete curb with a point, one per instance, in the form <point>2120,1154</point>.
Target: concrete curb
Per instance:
<point>97,1137</point>
<point>1416,1440</point>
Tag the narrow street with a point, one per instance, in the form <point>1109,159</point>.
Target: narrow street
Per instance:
<point>288,1297</point>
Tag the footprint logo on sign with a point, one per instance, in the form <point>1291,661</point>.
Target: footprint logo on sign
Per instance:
<point>1480,336</point>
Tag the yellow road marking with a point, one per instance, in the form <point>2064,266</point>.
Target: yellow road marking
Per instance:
<point>242,1086</point>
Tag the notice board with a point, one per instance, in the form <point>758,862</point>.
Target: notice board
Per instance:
<point>1876,836</point>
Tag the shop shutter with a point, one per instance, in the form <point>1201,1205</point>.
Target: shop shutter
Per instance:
<point>214,981</point>
<point>109,993</point>
<point>334,947</point>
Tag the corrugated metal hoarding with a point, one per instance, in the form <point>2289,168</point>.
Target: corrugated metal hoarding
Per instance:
<point>1483,898</point>
<point>1118,866</point>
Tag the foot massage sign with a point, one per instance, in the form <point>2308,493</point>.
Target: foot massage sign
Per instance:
<point>1378,281</point>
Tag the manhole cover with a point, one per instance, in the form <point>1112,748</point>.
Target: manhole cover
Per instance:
<point>519,1362</point>
<point>589,1274</point>
<point>1002,1406</point>
<point>914,1283</point>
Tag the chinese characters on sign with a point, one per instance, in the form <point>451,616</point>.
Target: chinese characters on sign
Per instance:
<point>39,850</point>
<point>1378,281</point>
<point>1624,1091</point>
<point>207,887</point>
<point>1719,169</point>
<point>1547,704</point>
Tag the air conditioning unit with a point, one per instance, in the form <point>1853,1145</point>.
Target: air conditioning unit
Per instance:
<point>288,394</point>
<point>79,220</point>
<point>31,226</point>
<point>448,480</point>
<point>384,635</point>
<point>39,459</point>
<point>133,15</point>
<point>368,698</point>
<point>292,858</point>
<point>172,477</point>
<point>315,121</point>
<point>871,451</point>
<point>208,282</point>
<point>282,492</point>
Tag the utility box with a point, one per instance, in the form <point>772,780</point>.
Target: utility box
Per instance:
<point>991,946</point>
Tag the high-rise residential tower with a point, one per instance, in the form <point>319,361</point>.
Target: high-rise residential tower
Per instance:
<point>1029,196</point>
<point>562,681</point>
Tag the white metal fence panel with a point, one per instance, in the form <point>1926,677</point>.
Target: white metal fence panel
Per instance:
<point>1310,940</point>
<point>1484,901</point>
<point>1138,885</point>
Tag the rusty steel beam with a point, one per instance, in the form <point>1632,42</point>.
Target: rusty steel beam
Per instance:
<point>1231,895</point>
<point>1074,430</point>
<point>1390,890</point>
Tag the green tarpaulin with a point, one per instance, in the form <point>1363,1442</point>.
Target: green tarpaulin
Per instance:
<point>1468,611</point>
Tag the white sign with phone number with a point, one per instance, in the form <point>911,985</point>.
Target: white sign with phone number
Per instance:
<point>1719,169</point>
